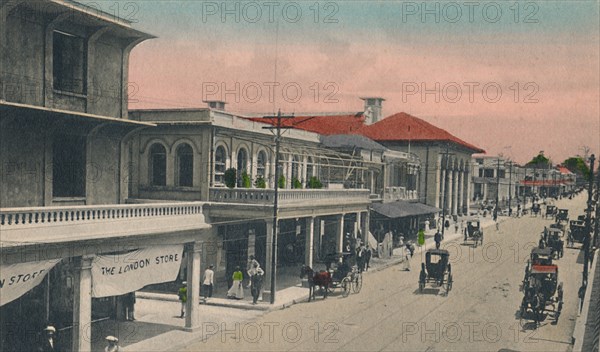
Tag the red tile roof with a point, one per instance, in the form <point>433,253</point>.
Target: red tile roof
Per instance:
<point>325,125</point>
<point>563,170</point>
<point>392,128</point>
<point>405,127</point>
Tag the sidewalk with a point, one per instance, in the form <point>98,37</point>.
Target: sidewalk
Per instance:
<point>159,328</point>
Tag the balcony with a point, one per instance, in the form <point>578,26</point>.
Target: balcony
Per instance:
<point>392,194</point>
<point>74,223</point>
<point>289,197</point>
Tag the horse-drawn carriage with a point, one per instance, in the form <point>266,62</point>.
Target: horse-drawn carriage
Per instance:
<point>576,232</point>
<point>562,216</point>
<point>473,231</point>
<point>541,289</point>
<point>551,211</point>
<point>535,209</point>
<point>343,276</point>
<point>436,269</point>
<point>555,242</point>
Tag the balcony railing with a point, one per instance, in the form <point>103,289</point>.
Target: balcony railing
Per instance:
<point>287,196</point>
<point>52,224</point>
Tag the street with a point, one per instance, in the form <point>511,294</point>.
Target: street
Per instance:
<point>480,313</point>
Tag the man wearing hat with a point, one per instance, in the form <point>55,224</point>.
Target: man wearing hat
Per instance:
<point>48,343</point>
<point>183,297</point>
<point>112,344</point>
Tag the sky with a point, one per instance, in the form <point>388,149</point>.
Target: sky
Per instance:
<point>510,77</point>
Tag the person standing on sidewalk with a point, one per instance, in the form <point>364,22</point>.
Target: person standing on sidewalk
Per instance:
<point>183,297</point>
<point>256,278</point>
<point>207,284</point>
<point>130,306</point>
<point>237,289</point>
<point>438,239</point>
<point>368,254</point>
<point>406,258</point>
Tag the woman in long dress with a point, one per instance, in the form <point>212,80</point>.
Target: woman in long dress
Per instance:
<point>237,290</point>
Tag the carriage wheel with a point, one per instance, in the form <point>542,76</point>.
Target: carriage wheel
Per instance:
<point>421,286</point>
<point>357,283</point>
<point>346,286</point>
<point>449,284</point>
<point>475,243</point>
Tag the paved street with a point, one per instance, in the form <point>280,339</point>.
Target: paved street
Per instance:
<point>389,314</point>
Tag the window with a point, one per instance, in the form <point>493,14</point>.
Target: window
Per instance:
<point>68,166</point>
<point>309,168</point>
<point>502,173</point>
<point>488,173</point>
<point>220,165</point>
<point>69,63</point>
<point>158,165</point>
<point>185,166</point>
<point>242,165</point>
<point>295,168</point>
<point>261,164</point>
<point>480,172</point>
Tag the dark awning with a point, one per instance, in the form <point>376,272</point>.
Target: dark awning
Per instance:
<point>401,209</point>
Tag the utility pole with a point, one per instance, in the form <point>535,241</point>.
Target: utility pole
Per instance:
<point>597,227</point>
<point>447,154</point>
<point>497,191</point>
<point>588,222</point>
<point>510,189</point>
<point>274,233</point>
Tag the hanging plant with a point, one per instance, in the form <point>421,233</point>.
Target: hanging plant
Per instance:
<point>230,177</point>
<point>246,182</point>
<point>281,182</point>
<point>260,182</point>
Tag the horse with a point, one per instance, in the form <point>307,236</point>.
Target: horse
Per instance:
<point>321,279</point>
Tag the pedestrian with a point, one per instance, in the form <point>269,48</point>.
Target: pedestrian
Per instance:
<point>113,344</point>
<point>183,297</point>
<point>456,227</point>
<point>360,258</point>
<point>581,295</point>
<point>426,225</point>
<point>207,284</point>
<point>251,261</point>
<point>368,254</point>
<point>48,341</point>
<point>406,260</point>
<point>256,279</point>
<point>438,239</point>
<point>237,290</point>
<point>130,306</point>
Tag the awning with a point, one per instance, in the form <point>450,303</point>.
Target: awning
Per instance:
<point>401,209</point>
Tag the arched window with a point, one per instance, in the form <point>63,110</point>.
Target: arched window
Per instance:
<point>185,165</point>
<point>220,164</point>
<point>158,165</point>
<point>242,164</point>
<point>309,168</point>
<point>296,168</point>
<point>261,164</point>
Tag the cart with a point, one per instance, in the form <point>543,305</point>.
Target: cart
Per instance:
<point>541,294</point>
<point>473,231</point>
<point>436,269</point>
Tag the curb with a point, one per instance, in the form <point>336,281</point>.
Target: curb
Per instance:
<point>581,322</point>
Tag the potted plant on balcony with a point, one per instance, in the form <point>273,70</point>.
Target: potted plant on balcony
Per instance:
<point>260,182</point>
<point>281,181</point>
<point>230,177</point>
<point>314,183</point>
<point>246,182</point>
<point>296,184</point>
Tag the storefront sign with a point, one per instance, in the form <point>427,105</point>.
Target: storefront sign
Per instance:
<point>18,279</point>
<point>114,275</point>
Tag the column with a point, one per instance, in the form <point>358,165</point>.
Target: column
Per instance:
<point>468,184</point>
<point>454,192</point>
<point>366,227</point>
<point>461,191</point>
<point>310,238</point>
<point>442,196</point>
<point>268,254</point>
<point>251,242</point>
<point>82,305</point>
<point>357,225</point>
<point>192,309</point>
<point>339,240</point>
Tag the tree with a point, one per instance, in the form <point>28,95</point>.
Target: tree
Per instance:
<point>578,166</point>
<point>540,161</point>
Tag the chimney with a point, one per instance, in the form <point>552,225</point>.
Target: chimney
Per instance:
<point>216,104</point>
<point>373,109</point>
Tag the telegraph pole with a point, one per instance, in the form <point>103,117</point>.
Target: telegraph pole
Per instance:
<point>588,222</point>
<point>497,191</point>
<point>597,227</point>
<point>510,190</point>
<point>274,233</point>
<point>447,154</point>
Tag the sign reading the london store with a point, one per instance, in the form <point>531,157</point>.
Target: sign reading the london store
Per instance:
<point>18,279</point>
<point>114,275</point>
